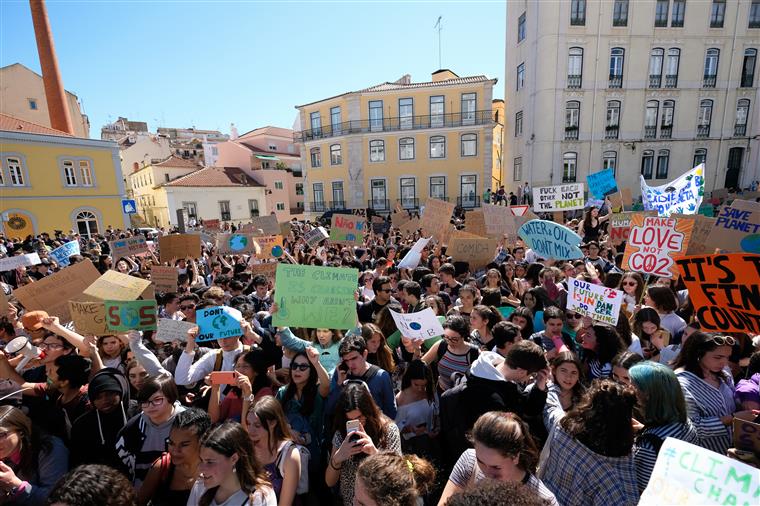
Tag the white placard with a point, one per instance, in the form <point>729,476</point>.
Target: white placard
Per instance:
<point>595,301</point>
<point>10,263</point>
<point>313,237</point>
<point>565,197</point>
<point>173,330</point>
<point>421,325</point>
<point>412,258</point>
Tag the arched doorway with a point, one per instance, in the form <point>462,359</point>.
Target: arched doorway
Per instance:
<point>734,167</point>
<point>86,223</point>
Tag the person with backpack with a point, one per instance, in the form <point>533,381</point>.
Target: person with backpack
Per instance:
<point>452,354</point>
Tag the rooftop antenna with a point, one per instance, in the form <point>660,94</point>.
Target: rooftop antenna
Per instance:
<point>439,25</point>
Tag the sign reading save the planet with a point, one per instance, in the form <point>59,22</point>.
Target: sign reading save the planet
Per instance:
<point>551,240</point>
<point>126,315</point>
<point>218,323</point>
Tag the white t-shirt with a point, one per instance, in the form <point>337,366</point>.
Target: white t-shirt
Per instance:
<point>262,497</point>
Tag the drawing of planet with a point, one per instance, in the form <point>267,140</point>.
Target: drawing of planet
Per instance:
<point>751,244</point>
<point>277,251</point>
<point>238,242</point>
<point>415,326</point>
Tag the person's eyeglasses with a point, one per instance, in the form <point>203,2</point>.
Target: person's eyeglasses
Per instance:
<point>185,308</point>
<point>573,315</point>
<point>154,402</point>
<point>629,283</point>
<point>723,340</point>
<point>300,367</point>
<point>50,346</point>
<point>386,290</point>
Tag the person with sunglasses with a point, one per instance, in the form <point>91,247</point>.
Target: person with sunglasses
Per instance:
<point>187,305</point>
<point>369,311</point>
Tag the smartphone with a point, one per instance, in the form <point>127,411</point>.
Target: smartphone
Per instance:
<point>343,367</point>
<point>352,426</point>
<point>223,378</point>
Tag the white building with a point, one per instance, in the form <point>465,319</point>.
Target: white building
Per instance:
<point>648,87</point>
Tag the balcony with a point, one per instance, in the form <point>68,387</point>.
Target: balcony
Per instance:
<point>703,131</point>
<point>612,132</point>
<point>709,81</point>
<point>337,205</point>
<point>254,213</point>
<point>666,132</point>
<point>570,178</point>
<point>650,132</point>
<point>574,81</point>
<point>671,81</point>
<point>740,130</point>
<point>655,80</point>
<point>470,202</point>
<point>571,133</point>
<point>397,124</point>
<point>315,207</point>
<point>616,81</point>
<point>382,205</point>
<point>409,203</point>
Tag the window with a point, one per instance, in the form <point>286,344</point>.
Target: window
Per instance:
<point>299,188</point>
<point>679,12</point>
<point>316,124</point>
<point>666,121</point>
<point>437,110</point>
<point>575,67</point>
<point>376,151</point>
<point>569,167</point>
<point>517,172</point>
<point>468,108</point>
<point>754,14</point>
<point>518,123</point>
<point>265,164</point>
<point>572,119</point>
<point>85,172</point>
<point>69,173</point>
<point>700,156</point>
<point>468,191</point>
<point>712,57</point>
<point>278,185</point>
<point>718,13</point>
<point>319,196</point>
<point>520,76</point>
<point>15,171</point>
<point>33,104</point>
<point>438,187</point>
<point>86,223</point>
<point>376,115</point>
<point>609,161</point>
<point>337,194</point>
<point>335,120</point>
<point>408,192</point>
<point>661,13</point>
<point>521,27</point>
<point>280,206</point>
<point>224,210</point>
<point>438,146</point>
<point>655,67</point>
<point>469,144</point>
<point>405,113</point>
<point>742,113</point>
<point>613,119</point>
<point>663,160</point>
<point>336,158</point>
<point>316,157</point>
<point>704,119</point>
<point>647,164</point>
<point>617,58</point>
<point>577,12</point>
<point>748,68</point>
<point>671,67</point>
<point>620,13</point>
<point>406,148</point>
<point>379,194</point>
<point>253,206</point>
<point>650,119</point>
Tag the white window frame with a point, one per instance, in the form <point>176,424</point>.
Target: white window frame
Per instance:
<point>440,141</point>
<point>405,144</point>
<point>376,150</point>
<point>470,138</point>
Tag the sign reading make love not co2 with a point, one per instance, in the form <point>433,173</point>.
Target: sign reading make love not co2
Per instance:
<point>652,245</point>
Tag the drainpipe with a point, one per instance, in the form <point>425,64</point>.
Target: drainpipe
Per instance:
<point>725,97</point>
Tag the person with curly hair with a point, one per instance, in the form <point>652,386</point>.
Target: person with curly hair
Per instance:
<point>493,492</point>
<point>93,485</point>
<point>389,479</point>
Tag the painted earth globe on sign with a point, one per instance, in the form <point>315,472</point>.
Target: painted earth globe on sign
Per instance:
<point>238,242</point>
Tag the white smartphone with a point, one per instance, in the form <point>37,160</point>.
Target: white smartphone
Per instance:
<point>353,426</point>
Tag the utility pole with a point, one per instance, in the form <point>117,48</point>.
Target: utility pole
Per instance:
<point>439,26</point>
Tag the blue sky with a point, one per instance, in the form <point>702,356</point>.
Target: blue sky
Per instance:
<point>209,64</point>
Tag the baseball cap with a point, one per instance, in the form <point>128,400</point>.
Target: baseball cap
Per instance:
<point>33,320</point>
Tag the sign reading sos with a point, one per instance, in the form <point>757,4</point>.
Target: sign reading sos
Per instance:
<point>123,316</point>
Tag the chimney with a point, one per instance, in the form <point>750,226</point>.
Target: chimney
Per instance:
<point>443,75</point>
<point>60,118</point>
<point>233,132</point>
<point>405,79</point>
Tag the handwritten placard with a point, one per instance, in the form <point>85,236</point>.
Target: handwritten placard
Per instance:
<point>595,301</point>
<point>164,278</point>
<point>173,330</point>
<point>602,183</point>
<point>436,219</point>
<point>475,223</point>
<point>269,246</point>
<point>114,285</point>
<point>737,228</point>
<point>11,263</point>
<point>620,225</point>
<point>551,240</point>
<point>126,315</point>
<point>412,258</point>
<point>314,236</point>
<point>179,246</point>
<point>683,195</point>
<point>89,317</point>
<point>421,325</point>
<point>129,246</point>
<point>267,224</point>
<point>348,228</point>
<point>62,253</point>
<point>218,322</point>
<point>565,197</point>
<point>653,243</point>
<point>267,270</point>
<point>477,252</point>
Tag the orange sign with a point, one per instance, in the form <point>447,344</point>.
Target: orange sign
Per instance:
<point>654,242</point>
<point>18,225</point>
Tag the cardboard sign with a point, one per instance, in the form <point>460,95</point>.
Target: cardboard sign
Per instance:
<point>688,474</point>
<point>89,317</point>
<point>476,252</point>
<point>235,244</point>
<point>436,219</point>
<point>173,330</point>
<point>285,228</point>
<point>551,240</point>
<point>114,285</point>
<point>737,228</point>
<point>620,225</point>
<point>682,195</point>
<point>602,183</point>
<point>475,223</point>
<point>723,289</point>
<point>52,293</point>
<point>701,228</point>
<point>315,236</point>
<point>218,322</point>
<point>11,263</point>
<point>177,246</point>
<point>348,228</point>
<point>3,303</point>
<point>412,258</point>
<point>269,246</point>
<point>719,194</point>
<point>130,246</point>
<point>267,224</point>
<point>213,225</point>
<point>411,226</point>
<point>565,197</point>
<point>164,278</point>
<point>746,433</point>
<point>499,221</point>
<point>653,243</point>
<point>418,326</point>
<point>126,315</point>
<point>595,301</point>
<point>315,297</point>
<point>62,253</point>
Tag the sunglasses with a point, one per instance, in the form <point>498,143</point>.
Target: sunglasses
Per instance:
<point>574,315</point>
<point>631,283</point>
<point>723,340</point>
<point>300,367</point>
<point>185,308</point>
<point>386,290</point>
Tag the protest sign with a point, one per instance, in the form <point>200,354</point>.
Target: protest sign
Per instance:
<point>382,227</point>
<point>463,234</point>
<point>218,322</point>
<point>89,317</point>
<point>475,223</point>
<point>130,246</point>
<point>595,301</point>
<point>476,252</point>
<point>565,197</point>
<point>235,244</point>
<point>683,195</point>
<point>689,474</point>
<point>62,253</point>
<point>126,315</point>
<point>627,197</point>
<point>436,219</point>
<point>499,221</point>
<point>270,246</point>
<point>653,242</point>
<point>421,325</point>
<point>602,183</point>
<point>411,226</point>
<point>212,225</point>
<point>719,194</point>
<point>11,263</point>
<point>164,278</point>
<point>114,285</point>
<point>701,228</point>
<point>620,225</point>
<point>707,210</point>
<point>737,228</point>
<point>52,293</point>
<point>315,297</point>
<point>267,224</point>
<point>746,432</point>
<point>551,240</point>
<point>177,246</point>
<point>285,228</point>
<point>724,290</point>
<point>172,330</point>
<point>412,258</point>
<point>315,236</point>
<point>348,228</point>
<point>267,270</point>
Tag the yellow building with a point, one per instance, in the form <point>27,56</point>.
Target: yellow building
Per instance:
<point>399,142</point>
<point>50,180</point>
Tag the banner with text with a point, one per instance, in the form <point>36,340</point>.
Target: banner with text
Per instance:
<point>218,323</point>
<point>653,242</point>
<point>421,325</point>
<point>270,246</point>
<point>177,246</point>
<point>126,315</point>
<point>602,183</point>
<point>683,195</point>
<point>164,278</point>
<point>436,219</point>
<point>477,252</point>
<point>173,330</point>
<point>11,263</point>
<point>130,246</point>
<point>737,228</point>
<point>551,240</point>
<point>565,197</point>
<point>62,253</point>
<point>595,301</point>
<point>348,228</point>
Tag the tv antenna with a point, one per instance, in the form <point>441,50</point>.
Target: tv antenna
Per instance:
<point>439,26</point>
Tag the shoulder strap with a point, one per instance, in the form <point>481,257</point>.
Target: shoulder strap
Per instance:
<point>653,439</point>
<point>371,372</point>
<point>441,349</point>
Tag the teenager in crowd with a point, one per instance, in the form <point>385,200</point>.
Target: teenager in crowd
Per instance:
<point>482,320</point>
<point>453,353</point>
<point>747,393</point>
<point>389,479</point>
<point>632,285</point>
<point>251,379</point>
<point>664,301</point>
<point>590,228</point>
<point>566,389</point>
<point>93,485</point>
<point>600,345</point>
<point>418,409</point>
<point>653,338</point>
<point>378,352</point>
<point>523,318</point>
<point>621,363</point>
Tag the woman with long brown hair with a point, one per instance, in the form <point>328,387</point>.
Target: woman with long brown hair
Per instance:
<point>379,353</point>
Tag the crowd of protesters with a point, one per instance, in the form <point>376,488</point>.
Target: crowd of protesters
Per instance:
<point>519,401</point>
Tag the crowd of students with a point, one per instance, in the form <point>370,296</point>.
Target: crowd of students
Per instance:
<point>519,401</point>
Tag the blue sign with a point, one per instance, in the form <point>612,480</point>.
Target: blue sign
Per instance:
<point>551,240</point>
<point>218,323</point>
<point>602,183</point>
<point>61,254</point>
<point>128,206</point>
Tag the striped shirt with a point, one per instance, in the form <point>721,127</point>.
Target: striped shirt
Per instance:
<point>705,405</point>
<point>598,370</point>
<point>449,364</point>
<point>645,452</point>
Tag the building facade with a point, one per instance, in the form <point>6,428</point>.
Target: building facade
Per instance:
<point>642,87</point>
<point>399,142</point>
<point>144,185</point>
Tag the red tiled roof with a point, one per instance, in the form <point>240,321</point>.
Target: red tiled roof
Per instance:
<point>262,151</point>
<point>13,124</point>
<point>268,130</point>
<point>216,177</point>
<point>175,161</point>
